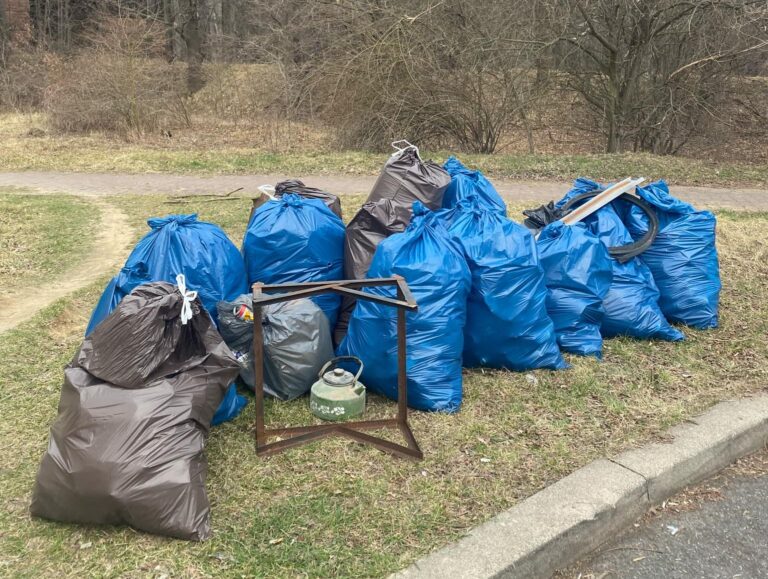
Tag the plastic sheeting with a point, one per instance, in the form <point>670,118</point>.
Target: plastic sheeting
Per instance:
<point>507,322</point>
<point>631,304</point>
<point>466,183</point>
<point>210,262</point>
<point>136,405</point>
<point>682,258</point>
<point>295,240</point>
<point>438,276</point>
<point>578,272</point>
<point>297,343</point>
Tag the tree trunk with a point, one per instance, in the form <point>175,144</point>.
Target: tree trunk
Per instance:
<point>613,144</point>
<point>17,19</point>
<point>192,35</point>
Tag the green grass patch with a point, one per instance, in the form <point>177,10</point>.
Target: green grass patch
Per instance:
<point>41,236</point>
<point>335,508</point>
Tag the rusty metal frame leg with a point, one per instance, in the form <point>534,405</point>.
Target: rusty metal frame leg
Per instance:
<point>298,435</point>
<point>258,369</point>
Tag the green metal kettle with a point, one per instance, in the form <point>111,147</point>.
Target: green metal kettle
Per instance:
<point>338,395</point>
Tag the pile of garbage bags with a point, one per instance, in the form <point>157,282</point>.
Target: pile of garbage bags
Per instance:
<point>173,329</point>
<point>629,269</point>
<point>491,292</point>
<point>632,301</point>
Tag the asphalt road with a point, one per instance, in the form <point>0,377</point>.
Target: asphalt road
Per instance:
<point>718,529</point>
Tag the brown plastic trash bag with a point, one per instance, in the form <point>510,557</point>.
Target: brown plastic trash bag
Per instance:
<point>135,409</point>
<point>404,179</point>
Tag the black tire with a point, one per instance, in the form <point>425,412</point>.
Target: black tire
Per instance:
<point>623,253</point>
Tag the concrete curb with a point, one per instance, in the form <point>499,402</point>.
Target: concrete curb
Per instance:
<point>577,514</point>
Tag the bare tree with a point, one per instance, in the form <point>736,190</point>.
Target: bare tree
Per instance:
<point>648,70</point>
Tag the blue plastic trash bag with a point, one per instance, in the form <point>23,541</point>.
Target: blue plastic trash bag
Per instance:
<point>210,262</point>
<point>507,322</point>
<point>295,240</point>
<point>466,183</point>
<point>439,279</point>
<point>578,273</point>
<point>231,406</point>
<point>632,304</point>
<point>682,258</point>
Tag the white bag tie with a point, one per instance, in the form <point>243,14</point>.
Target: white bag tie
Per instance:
<point>189,297</point>
<point>400,150</point>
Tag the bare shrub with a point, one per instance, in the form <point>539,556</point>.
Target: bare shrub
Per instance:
<point>119,83</point>
<point>23,79</point>
<point>444,74</point>
<point>240,92</point>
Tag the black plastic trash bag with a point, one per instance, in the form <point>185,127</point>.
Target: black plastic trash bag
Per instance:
<point>537,219</point>
<point>375,221</point>
<point>297,342</point>
<point>406,178</point>
<point>128,444</point>
<point>295,186</point>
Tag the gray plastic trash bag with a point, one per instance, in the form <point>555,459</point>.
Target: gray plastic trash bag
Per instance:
<point>297,342</point>
<point>128,444</point>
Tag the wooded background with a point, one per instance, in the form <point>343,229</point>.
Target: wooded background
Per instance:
<point>662,76</point>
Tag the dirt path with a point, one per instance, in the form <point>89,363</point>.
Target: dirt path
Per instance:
<point>166,184</point>
<point>108,252</point>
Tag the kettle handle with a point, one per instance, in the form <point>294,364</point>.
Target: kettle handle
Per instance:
<point>333,361</point>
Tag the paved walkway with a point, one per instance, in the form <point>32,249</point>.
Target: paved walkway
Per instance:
<point>169,184</point>
<point>723,536</point>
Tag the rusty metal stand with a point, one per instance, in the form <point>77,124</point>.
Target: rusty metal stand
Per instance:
<point>297,435</point>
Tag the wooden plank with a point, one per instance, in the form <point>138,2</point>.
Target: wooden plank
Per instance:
<point>601,200</point>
